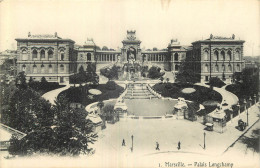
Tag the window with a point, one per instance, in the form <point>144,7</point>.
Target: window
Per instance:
<point>216,55</point>
<point>216,68</point>
<point>24,55</point>
<point>50,68</point>
<point>222,54</point>
<point>229,55</point>
<point>237,55</point>
<point>42,54</point>
<point>42,69</point>
<point>176,55</point>
<point>229,68</point>
<point>34,54</point>
<point>206,55</point>
<point>34,69</point>
<point>50,54</point>
<point>24,68</point>
<point>62,55</point>
<point>88,57</point>
<point>62,68</point>
<point>238,67</point>
<point>223,68</point>
<point>176,67</point>
<point>206,68</point>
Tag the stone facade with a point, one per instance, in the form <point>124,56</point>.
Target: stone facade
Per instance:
<point>216,57</point>
<point>56,58</point>
<point>46,56</point>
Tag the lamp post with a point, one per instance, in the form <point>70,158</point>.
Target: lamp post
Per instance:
<point>250,100</point>
<point>246,112</point>
<point>204,140</point>
<point>132,143</point>
<point>238,105</point>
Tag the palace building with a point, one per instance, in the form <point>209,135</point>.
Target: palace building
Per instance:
<point>216,57</point>
<point>55,58</point>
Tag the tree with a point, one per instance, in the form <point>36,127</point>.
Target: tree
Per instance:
<point>30,81</point>
<point>154,72</point>
<point>68,134</point>
<point>105,48</point>
<point>155,49</point>
<point>187,76</point>
<point>216,82</point>
<point>20,80</point>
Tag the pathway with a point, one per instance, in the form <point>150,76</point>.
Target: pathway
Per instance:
<point>227,96</point>
<point>51,96</point>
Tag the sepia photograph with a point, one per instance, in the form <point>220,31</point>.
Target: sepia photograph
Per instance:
<point>129,83</point>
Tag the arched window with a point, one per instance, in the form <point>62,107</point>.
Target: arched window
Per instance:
<point>62,68</point>
<point>229,68</point>
<point>24,68</point>
<point>176,57</point>
<point>223,68</point>
<point>229,57</point>
<point>42,54</point>
<point>222,54</point>
<point>62,55</point>
<point>24,55</point>
<point>50,68</point>
<point>88,56</point>
<point>176,67</point>
<point>216,55</point>
<point>42,69</point>
<point>50,54</point>
<point>34,69</point>
<point>206,55</point>
<point>34,54</point>
<point>216,68</point>
<point>206,69</point>
<point>238,67</point>
<point>237,55</point>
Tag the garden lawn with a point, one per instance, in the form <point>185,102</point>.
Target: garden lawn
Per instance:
<point>200,95</point>
<point>81,95</point>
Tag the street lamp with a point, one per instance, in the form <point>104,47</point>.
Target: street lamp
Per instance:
<point>250,100</point>
<point>255,98</point>
<point>132,143</point>
<point>246,111</point>
<point>238,105</point>
<point>204,140</point>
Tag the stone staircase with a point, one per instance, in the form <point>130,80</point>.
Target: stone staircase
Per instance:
<point>138,91</point>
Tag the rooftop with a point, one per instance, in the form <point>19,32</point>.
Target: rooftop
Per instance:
<point>220,39</point>
<point>43,37</point>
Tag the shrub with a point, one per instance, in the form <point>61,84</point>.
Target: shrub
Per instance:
<point>154,72</point>
<point>216,82</point>
<point>111,85</point>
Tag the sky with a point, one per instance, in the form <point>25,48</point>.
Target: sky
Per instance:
<point>156,21</point>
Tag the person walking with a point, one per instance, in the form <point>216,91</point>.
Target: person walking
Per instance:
<point>157,146</point>
<point>179,145</point>
<point>123,143</point>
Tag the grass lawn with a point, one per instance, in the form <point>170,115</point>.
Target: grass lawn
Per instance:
<point>81,95</point>
<point>200,95</point>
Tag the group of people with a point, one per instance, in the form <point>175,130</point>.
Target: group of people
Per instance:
<point>157,145</point>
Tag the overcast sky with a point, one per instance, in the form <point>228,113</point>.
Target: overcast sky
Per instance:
<point>156,21</point>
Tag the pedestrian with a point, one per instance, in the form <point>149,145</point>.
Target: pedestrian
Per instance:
<point>157,146</point>
<point>123,143</point>
<point>179,145</point>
